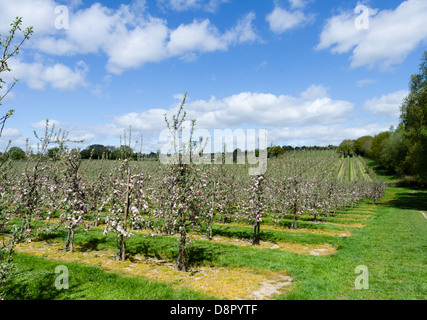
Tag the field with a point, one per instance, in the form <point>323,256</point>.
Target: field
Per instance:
<point>297,232</point>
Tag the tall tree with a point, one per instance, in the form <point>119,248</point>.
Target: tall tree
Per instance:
<point>363,145</point>
<point>16,153</point>
<point>414,121</point>
<point>346,148</point>
<point>95,151</point>
<point>377,147</point>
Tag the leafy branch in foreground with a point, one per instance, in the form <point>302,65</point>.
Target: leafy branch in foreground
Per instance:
<point>9,52</point>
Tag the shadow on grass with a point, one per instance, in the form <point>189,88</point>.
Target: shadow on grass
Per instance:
<point>415,200</point>
<point>380,170</point>
<point>146,250</point>
<point>91,244</point>
<point>39,286</point>
<point>199,253</point>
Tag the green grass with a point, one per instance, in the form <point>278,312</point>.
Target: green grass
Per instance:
<point>393,247</point>
<point>383,173</point>
<point>35,280</point>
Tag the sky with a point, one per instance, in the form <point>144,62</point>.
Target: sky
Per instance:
<point>311,72</point>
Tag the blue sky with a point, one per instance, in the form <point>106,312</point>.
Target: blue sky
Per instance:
<point>312,72</point>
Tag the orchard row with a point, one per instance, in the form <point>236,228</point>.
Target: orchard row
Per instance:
<point>126,195</point>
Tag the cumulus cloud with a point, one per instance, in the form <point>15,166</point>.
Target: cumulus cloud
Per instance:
<point>323,134</point>
<point>249,108</point>
<point>281,20</point>
<point>37,13</point>
<point>297,3</point>
<point>59,76</point>
<point>129,38</point>
<point>151,120</point>
<point>310,118</point>
<point>9,133</point>
<point>387,105</point>
<point>41,125</point>
<point>314,92</point>
<point>391,36</point>
<point>139,46</point>
<point>202,36</point>
<point>243,31</point>
<point>183,5</point>
<point>197,36</point>
<point>267,109</point>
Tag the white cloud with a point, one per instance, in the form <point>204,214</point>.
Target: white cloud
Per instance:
<point>73,3</point>
<point>129,38</point>
<point>314,92</point>
<point>297,3</point>
<point>311,118</point>
<point>322,134</point>
<point>197,36</point>
<point>364,82</point>
<point>139,46</point>
<point>4,95</point>
<point>10,133</point>
<point>387,105</point>
<point>37,13</point>
<point>151,120</point>
<point>183,5</point>
<point>281,20</point>
<point>243,32</point>
<point>391,36</point>
<point>41,125</point>
<point>249,109</point>
<point>272,110</point>
<point>202,36</point>
<point>262,65</point>
<point>213,5</point>
<point>59,76</point>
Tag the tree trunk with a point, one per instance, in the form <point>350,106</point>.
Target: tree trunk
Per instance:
<point>210,219</point>
<point>72,240</point>
<point>256,238</point>
<point>69,243</point>
<point>209,229</point>
<point>123,242</point>
<point>181,262</point>
<point>294,222</point>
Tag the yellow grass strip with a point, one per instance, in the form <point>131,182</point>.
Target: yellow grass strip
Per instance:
<point>221,282</point>
<point>299,248</point>
<point>294,247</point>
<point>351,225</point>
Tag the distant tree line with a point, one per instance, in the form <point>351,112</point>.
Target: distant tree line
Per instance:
<point>99,151</point>
<point>276,151</point>
<point>401,150</point>
<point>96,151</point>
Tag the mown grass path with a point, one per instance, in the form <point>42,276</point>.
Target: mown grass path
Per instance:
<point>393,247</point>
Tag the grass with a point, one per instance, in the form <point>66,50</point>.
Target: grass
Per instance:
<point>392,245</point>
<point>35,279</point>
